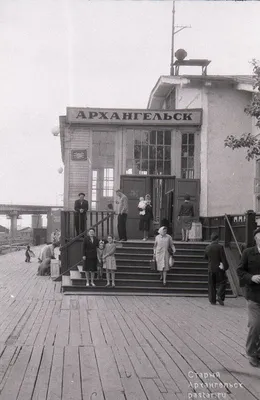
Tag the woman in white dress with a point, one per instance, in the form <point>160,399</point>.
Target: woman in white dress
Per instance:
<point>109,260</point>
<point>163,249</point>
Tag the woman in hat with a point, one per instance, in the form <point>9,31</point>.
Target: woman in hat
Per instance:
<point>163,249</point>
<point>80,217</point>
<point>186,215</point>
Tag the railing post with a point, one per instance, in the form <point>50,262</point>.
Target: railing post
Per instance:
<point>112,223</point>
<point>227,232</point>
<point>209,229</point>
<point>64,252</point>
<point>63,227</point>
<point>250,227</point>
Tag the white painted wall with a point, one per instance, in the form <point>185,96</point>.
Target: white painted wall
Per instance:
<point>230,176</point>
<point>188,97</point>
<point>76,173</point>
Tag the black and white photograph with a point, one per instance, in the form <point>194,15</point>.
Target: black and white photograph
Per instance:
<point>130,200</point>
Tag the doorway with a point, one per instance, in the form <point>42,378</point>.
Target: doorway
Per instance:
<point>167,193</point>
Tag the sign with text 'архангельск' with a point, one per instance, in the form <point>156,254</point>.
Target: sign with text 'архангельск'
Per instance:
<point>97,116</point>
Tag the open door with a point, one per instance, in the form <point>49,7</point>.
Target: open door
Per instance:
<point>183,187</point>
<point>167,194</point>
<point>163,188</point>
<point>134,187</point>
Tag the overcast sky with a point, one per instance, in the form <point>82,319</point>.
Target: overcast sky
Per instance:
<point>59,53</point>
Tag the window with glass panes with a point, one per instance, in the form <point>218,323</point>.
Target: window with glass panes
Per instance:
<point>187,156</point>
<point>108,182</point>
<point>149,152</point>
<point>94,190</point>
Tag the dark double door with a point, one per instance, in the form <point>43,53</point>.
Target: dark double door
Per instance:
<point>167,194</point>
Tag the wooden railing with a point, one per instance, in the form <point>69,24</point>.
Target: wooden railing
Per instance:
<point>236,232</point>
<point>227,220</point>
<point>101,221</point>
<point>231,229</point>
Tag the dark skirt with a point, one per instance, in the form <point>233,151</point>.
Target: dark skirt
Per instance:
<point>144,224</point>
<point>90,265</point>
<point>186,222</point>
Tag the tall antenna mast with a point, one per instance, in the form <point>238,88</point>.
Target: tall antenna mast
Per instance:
<point>174,31</point>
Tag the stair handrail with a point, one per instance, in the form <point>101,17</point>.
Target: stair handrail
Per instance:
<point>81,235</point>
<point>73,266</point>
<point>233,234</point>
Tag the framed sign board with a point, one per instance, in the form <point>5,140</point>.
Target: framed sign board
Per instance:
<point>79,155</point>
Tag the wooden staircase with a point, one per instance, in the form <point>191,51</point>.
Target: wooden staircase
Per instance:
<point>188,277</point>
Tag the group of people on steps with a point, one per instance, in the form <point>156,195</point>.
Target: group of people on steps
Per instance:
<point>145,210</point>
<point>99,256</point>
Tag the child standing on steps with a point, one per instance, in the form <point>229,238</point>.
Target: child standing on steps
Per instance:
<point>109,260</point>
<point>100,252</point>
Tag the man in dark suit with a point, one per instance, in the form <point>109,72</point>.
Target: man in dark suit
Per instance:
<point>81,208</point>
<point>217,267</point>
<point>249,274</point>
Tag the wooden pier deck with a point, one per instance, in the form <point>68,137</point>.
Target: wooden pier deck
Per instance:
<point>56,347</point>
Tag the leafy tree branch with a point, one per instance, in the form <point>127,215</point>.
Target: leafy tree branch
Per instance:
<point>247,140</point>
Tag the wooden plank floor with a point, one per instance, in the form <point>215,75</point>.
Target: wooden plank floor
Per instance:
<point>117,347</point>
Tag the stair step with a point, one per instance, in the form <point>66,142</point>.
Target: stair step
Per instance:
<point>149,249</point>
<point>146,256</point>
<point>69,291</point>
<point>177,270</point>
<point>153,275</point>
<point>69,288</point>
<point>78,280</point>
<point>150,242</point>
<point>182,290</point>
<point>147,262</point>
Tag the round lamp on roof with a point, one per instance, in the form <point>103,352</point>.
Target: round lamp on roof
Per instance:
<point>60,170</point>
<point>181,54</point>
<point>55,131</point>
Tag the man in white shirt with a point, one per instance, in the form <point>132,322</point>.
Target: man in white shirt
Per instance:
<point>122,216</point>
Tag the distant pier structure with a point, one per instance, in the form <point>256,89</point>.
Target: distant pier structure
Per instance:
<point>14,211</point>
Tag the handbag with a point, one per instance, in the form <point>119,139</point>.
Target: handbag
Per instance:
<point>171,261</point>
<point>153,265</point>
